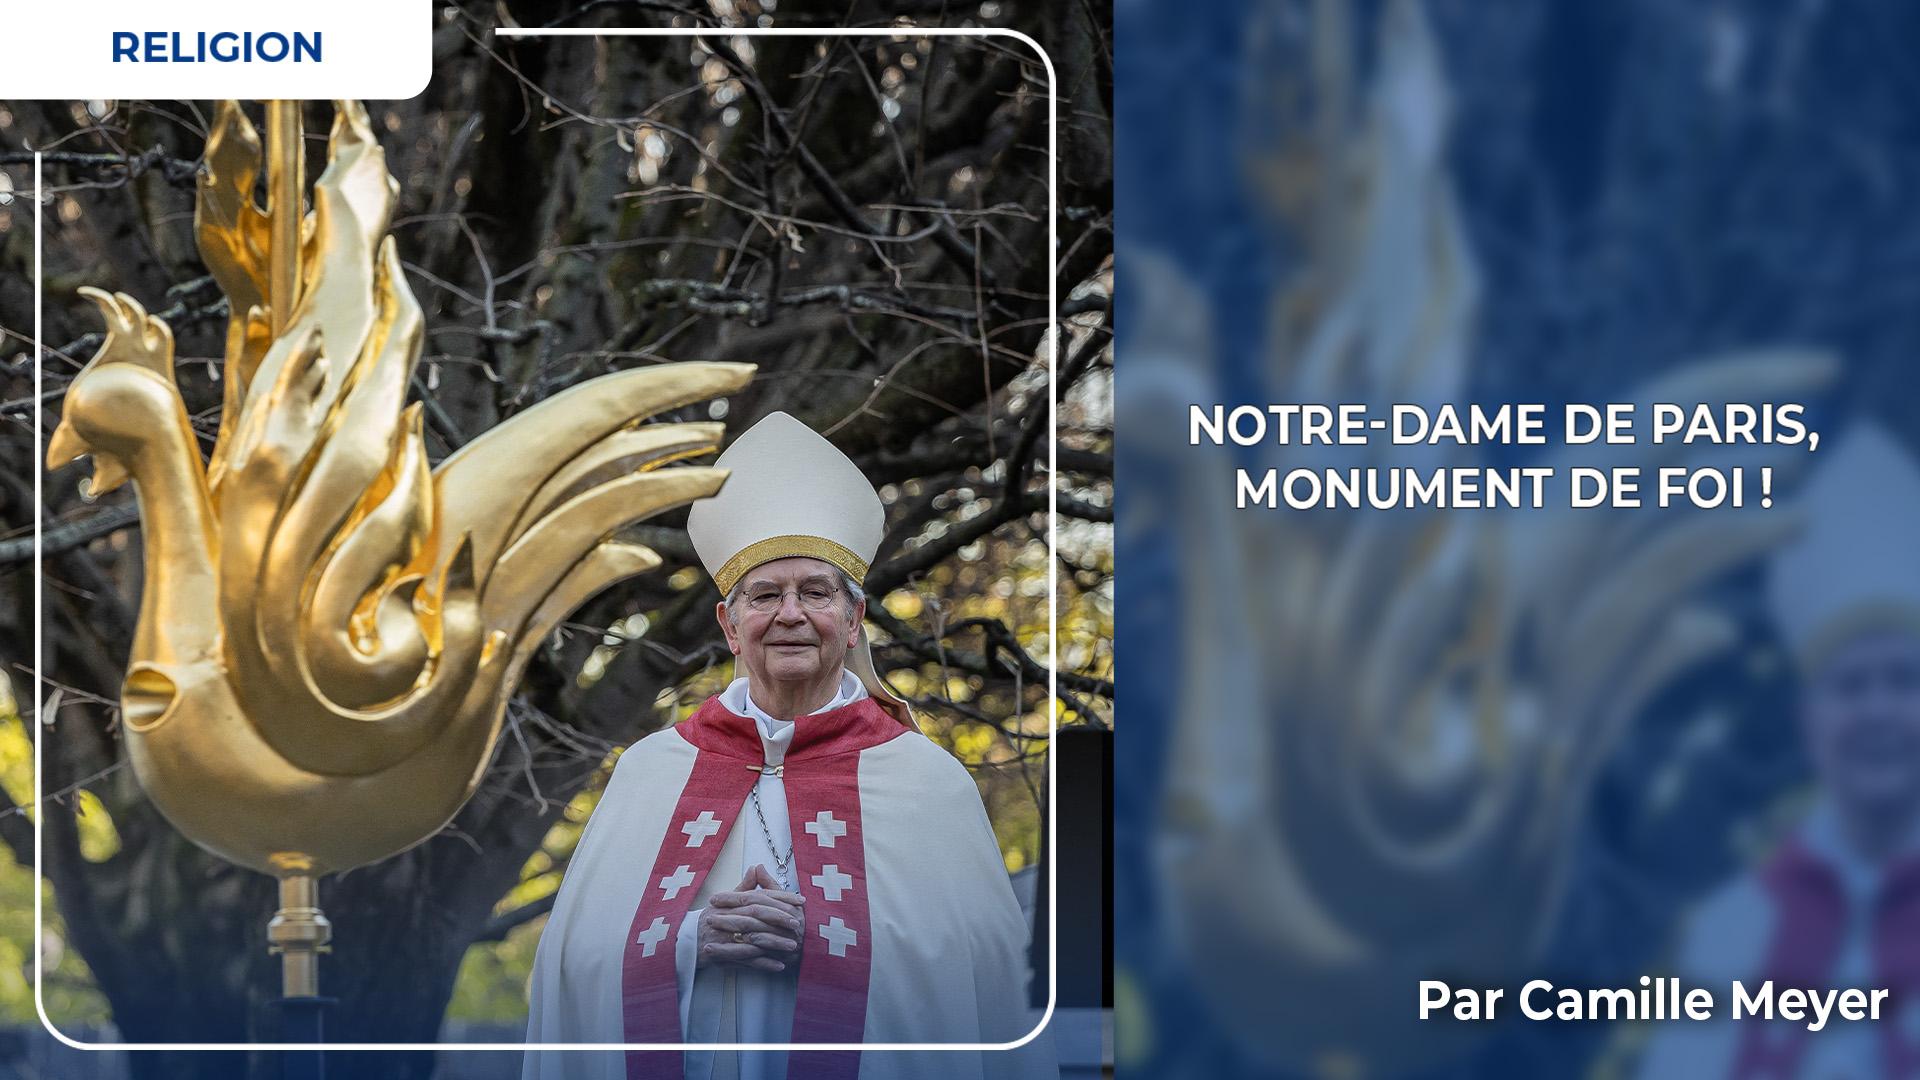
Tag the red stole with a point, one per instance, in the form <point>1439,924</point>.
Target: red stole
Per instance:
<point>1810,925</point>
<point>821,774</point>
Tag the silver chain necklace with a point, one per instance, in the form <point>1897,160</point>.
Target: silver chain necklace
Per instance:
<point>781,863</point>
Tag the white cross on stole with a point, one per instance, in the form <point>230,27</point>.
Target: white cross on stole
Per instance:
<point>832,882</point>
<point>840,937</point>
<point>653,935</point>
<point>674,882</point>
<point>700,828</point>
<point>826,828</point>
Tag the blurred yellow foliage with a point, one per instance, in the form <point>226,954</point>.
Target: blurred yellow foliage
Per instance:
<point>70,997</point>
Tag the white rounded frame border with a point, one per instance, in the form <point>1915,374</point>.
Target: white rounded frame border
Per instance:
<point>1052,339</point>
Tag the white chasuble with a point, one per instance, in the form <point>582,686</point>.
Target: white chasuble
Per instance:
<point>912,932</point>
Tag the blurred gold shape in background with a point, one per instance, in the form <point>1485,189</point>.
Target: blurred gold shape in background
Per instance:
<point>1390,722</point>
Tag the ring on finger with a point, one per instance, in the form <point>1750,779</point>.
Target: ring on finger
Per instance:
<point>739,938</point>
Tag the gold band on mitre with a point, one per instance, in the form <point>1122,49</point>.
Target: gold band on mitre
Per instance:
<point>1816,648</point>
<point>785,547</point>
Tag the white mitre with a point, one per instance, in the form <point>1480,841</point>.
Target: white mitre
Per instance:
<point>791,492</point>
<point>1855,567</point>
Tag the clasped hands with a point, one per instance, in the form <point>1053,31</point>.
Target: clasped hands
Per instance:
<point>758,926</point>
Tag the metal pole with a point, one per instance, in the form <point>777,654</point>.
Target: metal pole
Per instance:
<point>286,178</point>
<point>299,933</point>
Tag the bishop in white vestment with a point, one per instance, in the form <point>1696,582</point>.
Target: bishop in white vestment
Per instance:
<point>1837,904</point>
<point>794,863</point>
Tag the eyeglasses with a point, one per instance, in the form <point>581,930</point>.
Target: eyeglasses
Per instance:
<point>813,596</point>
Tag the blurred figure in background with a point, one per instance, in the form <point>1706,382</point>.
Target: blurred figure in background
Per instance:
<point>1837,904</point>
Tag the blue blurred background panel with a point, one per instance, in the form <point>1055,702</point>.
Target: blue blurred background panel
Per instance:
<point>1363,748</point>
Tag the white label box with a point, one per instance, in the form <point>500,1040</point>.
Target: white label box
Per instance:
<point>107,49</point>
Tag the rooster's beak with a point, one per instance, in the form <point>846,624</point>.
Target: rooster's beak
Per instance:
<point>64,447</point>
<point>67,445</point>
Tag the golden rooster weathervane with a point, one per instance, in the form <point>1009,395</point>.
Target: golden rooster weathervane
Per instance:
<point>330,627</point>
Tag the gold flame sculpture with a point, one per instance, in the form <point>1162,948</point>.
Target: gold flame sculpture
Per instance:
<point>330,628</point>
